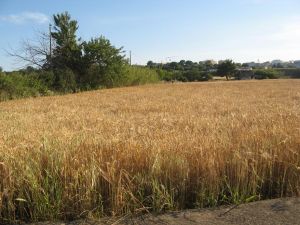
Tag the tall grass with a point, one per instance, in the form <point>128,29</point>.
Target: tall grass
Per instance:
<point>150,148</point>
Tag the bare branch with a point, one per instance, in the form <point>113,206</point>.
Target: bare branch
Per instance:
<point>33,52</point>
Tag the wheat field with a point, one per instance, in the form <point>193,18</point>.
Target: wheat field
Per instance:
<point>149,149</point>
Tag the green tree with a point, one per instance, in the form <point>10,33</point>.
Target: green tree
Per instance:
<point>66,58</point>
<point>150,64</point>
<point>104,63</point>
<point>65,80</point>
<point>67,52</point>
<point>226,69</point>
<point>1,70</point>
<point>267,74</point>
<point>208,64</point>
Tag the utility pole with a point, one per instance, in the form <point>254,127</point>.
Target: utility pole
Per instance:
<point>130,57</point>
<point>50,46</point>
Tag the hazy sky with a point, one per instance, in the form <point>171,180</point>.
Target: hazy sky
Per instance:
<point>242,30</point>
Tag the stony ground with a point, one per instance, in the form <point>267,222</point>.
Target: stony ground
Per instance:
<point>272,212</point>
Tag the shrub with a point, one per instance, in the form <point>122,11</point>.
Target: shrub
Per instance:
<point>165,75</point>
<point>192,75</point>
<point>15,85</point>
<point>136,75</point>
<point>47,78</point>
<point>290,72</point>
<point>267,74</point>
<point>65,80</point>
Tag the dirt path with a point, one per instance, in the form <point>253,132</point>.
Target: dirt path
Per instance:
<point>271,212</point>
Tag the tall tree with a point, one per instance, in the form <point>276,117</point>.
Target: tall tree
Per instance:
<point>103,61</point>
<point>67,52</point>
<point>226,69</point>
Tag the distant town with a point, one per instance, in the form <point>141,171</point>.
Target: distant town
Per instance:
<point>260,65</point>
<point>274,64</point>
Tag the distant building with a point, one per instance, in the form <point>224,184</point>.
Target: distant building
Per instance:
<point>297,63</point>
<point>266,65</point>
<point>277,61</point>
<point>244,73</point>
<point>252,64</point>
<point>212,70</point>
<point>245,69</point>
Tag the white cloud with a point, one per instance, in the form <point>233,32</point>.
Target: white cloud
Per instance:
<point>26,17</point>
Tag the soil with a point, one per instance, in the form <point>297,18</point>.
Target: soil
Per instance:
<point>271,212</point>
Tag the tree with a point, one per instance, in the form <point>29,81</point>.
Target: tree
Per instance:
<point>150,64</point>
<point>182,63</point>
<point>208,64</point>
<point>67,52</point>
<point>226,69</point>
<point>33,52</point>
<point>70,63</point>
<point>1,70</point>
<point>104,61</point>
<point>29,69</point>
<point>63,51</point>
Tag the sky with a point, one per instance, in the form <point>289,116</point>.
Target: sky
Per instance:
<point>165,30</point>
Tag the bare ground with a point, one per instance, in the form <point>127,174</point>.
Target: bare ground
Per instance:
<point>271,212</point>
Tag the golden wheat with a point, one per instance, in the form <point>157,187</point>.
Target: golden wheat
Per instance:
<point>149,148</point>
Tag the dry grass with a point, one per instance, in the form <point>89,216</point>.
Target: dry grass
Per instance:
<point>157,147</point>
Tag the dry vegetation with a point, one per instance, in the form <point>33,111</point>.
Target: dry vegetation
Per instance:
<point>156,147</point>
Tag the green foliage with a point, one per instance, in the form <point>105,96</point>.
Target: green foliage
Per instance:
<point>195,75</point>
<point>83,65</point>
<point>67,52</point>
<point>289,72</point>
<point>137,75</point>
<point>226,69</point>
<point>267,74</point>
<point>185,71</point>
<point>104,64</point>
<point>166,75</point>
<point>65,31</point>
<point>183,65</point>
<point>47,77</point>
<point>15,85</point>
<point>65,80</point>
